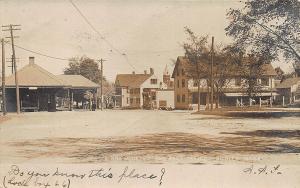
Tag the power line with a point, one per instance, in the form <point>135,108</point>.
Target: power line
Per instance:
<point>41,54</point>
<point>101,36</point>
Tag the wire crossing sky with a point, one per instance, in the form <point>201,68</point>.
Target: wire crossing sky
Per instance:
<point>148,33</point>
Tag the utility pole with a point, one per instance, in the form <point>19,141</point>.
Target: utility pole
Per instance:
<point>101,83</point>
<point>10,60</point>
<point>12,28</point>
<point>3,79</point>
<point>211,75</point>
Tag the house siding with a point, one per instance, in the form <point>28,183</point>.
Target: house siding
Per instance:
<point>181,92</point>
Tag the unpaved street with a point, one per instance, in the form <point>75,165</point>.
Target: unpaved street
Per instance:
<point>141,136</point>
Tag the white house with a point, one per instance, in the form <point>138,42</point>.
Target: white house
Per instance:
<point>143,90</point>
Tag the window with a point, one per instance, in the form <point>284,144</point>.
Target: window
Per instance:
<point>178,98</point>
<point>153,81</point>
<point>195,84</point>
<point>127,100</point>
<point>183,83</point>
<point>137,91</point>
<point>131,100</point>
<point>138,100</point>
<point>153,97</point>
<point>182,72</point>
<point>238,82</point>
<point>177,83</point>
<point>265,81</point>
<point>183,98</point>
<point>131,91</point>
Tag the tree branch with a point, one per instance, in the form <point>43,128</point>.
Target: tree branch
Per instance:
<point>278,36</point>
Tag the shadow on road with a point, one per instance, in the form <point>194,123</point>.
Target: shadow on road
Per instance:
<point>150,147</point>
<point>268,133</point>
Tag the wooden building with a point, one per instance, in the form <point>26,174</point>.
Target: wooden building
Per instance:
<point>39,88</point>
<point>186,89</point>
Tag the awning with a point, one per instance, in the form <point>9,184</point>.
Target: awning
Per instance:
<point>245,95</point>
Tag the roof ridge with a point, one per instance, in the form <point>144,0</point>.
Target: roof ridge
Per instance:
<point>47,72</point>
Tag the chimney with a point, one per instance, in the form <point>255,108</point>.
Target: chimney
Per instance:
<point>151,71</point>
<point>145,71</point>
<point>31,60</point>
<point>133,72</point>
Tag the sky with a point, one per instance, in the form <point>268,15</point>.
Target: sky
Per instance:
<point>131,35</point>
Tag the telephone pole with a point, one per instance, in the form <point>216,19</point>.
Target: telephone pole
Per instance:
<point>211,75</point>
<point>12,28</point>
<point>3,79</point>
<point>10,60</point>
<point>101,83</point>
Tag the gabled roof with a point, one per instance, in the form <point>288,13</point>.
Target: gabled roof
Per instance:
<point>131,80</point>
<point>289,82</point>
<point>77,81</point>
<point>267,68</point>
<point>33,75</point>
<point>184,63</point>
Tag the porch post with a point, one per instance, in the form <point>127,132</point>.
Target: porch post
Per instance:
<point>294,98</point>
<point>271,100</point>
<point>282,100</point>
<point>260,102</point>
<point>72,100</point>
<point>69,99</point>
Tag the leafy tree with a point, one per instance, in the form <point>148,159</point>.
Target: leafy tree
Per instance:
<point>251,70</point>
<point>86,67</point>
<point>267,27</point>
<point>225,67</point>
<point>280,73</point>
<point>197,53</point>
<point>248,67</point>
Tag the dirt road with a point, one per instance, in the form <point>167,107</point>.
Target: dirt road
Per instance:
<point>141,136</point>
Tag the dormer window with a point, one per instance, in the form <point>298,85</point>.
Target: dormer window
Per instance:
<point>238,82</point>
<point>265,81</point>
<point>153,81</point>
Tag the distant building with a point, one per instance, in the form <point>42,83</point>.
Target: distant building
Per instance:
<point>186,89</point>
<point>289,90</point>
<point>143,90</point>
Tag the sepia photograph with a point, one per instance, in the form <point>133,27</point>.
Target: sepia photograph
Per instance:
<point>141,93</point>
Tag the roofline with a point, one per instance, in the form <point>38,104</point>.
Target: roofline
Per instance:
<point>63,87</point>
<point>24,86</point>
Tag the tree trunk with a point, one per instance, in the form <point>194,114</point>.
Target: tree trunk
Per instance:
<point>199,95</point>
<point>218,100</point>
